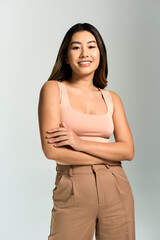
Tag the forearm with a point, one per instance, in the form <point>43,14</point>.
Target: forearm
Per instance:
<point>116,151</point>
<point>69,156</point>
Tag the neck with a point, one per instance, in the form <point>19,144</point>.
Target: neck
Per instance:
<point>85,82</point>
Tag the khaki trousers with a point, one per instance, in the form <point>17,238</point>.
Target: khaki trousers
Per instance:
<point>92,198</point>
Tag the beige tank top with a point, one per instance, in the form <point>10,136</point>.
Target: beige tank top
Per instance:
<point>92,127</point>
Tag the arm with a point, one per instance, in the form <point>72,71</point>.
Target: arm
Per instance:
<point>49,117</point>
<point>123,148</point>
<point>73,157</point>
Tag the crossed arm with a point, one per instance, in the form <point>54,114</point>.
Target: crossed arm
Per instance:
<point>91,152</point>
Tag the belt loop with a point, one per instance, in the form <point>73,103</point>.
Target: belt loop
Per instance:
<point>70,171</point>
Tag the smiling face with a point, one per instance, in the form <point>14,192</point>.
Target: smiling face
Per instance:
<point>83,53</point>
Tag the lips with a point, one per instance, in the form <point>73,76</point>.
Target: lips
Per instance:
<point>85,63</point>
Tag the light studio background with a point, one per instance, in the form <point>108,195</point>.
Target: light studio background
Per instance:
<point>31,34</point>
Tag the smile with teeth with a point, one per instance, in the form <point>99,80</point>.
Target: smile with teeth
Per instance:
<point>85,63</point>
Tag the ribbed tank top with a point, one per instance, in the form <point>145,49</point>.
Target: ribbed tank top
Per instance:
<point>91,127</point>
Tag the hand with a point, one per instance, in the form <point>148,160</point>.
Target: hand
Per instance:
<point>64,136</point>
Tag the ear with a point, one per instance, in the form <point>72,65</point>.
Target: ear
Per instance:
<point>66,59</point>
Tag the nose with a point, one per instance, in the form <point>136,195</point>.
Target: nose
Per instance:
<point>83,53</point>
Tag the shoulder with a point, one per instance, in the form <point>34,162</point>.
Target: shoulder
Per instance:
<point>50,92</point>
<point>49,87</point>
<point>116,99</point>
<point>114,96</point>
<point>52,84</point>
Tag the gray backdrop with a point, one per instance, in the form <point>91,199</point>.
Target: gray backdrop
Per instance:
<point>31,34</point>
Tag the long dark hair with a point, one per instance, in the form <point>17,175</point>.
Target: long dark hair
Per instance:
<point>62,71</point>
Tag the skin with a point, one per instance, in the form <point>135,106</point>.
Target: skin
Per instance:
<point>87,49</point>
<point>71,149</point>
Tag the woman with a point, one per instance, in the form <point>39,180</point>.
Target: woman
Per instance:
<point>77,116</point>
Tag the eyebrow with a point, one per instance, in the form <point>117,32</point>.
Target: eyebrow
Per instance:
<point>80,42</point>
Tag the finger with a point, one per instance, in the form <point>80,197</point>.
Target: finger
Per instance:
<point>62,143</point>
<point>56,134</point>
<point>54,130</point>
<point>51,130</point>
<point>57,139</point>
<point>48,136</point>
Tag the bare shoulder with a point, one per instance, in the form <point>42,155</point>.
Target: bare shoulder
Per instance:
<point>114,95</point>
<point>116,99</point>
<point>49,86</point>
<point>50,90</point>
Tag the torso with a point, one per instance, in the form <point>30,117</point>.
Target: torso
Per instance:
<point>90,102</point>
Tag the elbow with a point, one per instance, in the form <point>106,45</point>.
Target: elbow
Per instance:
<point>48,155</point>
<point>48,150</point>
<point>131,155</point>
<point>130,152</point>
<point>51,155</point>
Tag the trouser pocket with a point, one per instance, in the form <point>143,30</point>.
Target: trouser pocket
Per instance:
<point>63,188</point>
<point>120,179</point>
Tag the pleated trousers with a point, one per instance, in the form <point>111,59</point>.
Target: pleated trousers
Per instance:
<point>90,199</point>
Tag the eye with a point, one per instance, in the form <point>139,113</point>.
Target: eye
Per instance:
<point>75,47</point>
<point>91,46</point>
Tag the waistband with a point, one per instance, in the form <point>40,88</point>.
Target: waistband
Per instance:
<point>83,169</point>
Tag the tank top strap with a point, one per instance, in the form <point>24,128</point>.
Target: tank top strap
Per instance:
<point>108,99</point>
<point>61,89</point>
